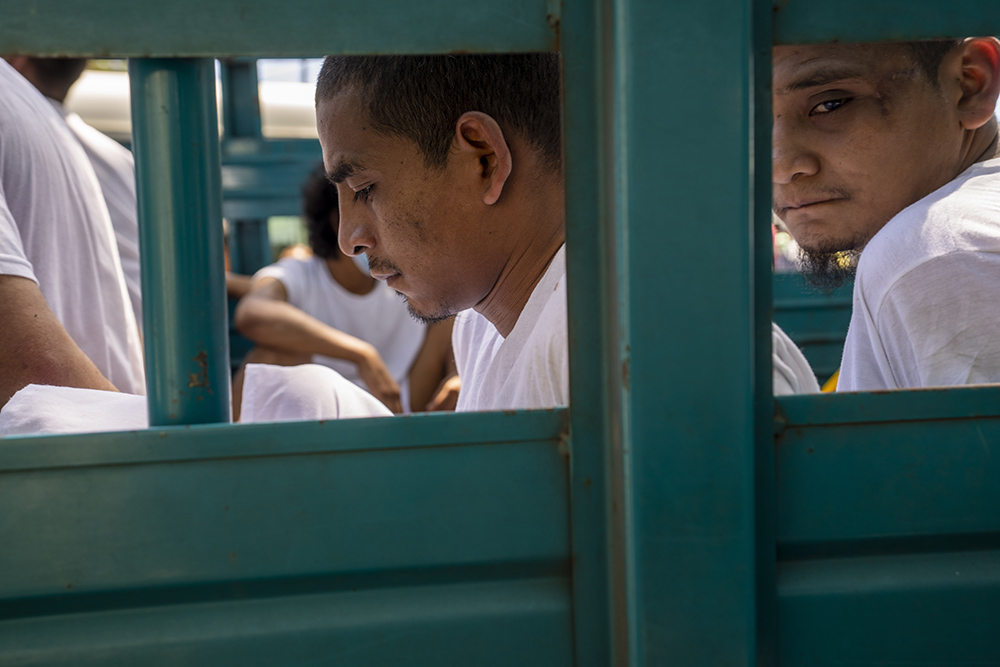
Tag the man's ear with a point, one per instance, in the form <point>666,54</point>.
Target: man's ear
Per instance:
<point>979,80</point>
<point>479,136</point>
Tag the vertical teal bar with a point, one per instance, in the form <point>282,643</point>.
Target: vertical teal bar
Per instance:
<point>176,141</point>
<point>240,98</point>
<point>692,331</point>
<point>249,249</point>
<point>759,74</point>
<point>600,621</point>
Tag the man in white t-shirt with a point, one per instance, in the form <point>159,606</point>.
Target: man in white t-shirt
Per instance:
<point>327,309</point>
<point>892,149</point>
<point>67,317</point>
<point>450,180</point>
<point>112,162</point>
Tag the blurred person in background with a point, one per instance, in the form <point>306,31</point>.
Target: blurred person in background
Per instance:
<point>327,309</point>
<point>112,162</point>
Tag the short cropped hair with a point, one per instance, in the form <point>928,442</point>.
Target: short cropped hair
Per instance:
<point>928,55</point>
<point>421,98</point>
<point>319,200</point>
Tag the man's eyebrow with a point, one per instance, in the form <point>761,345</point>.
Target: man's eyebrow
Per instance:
<point>342,172</point>
<point>823,76</point>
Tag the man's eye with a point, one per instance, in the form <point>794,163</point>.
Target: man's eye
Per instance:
<point>828,106</point>
<point>364,193</point>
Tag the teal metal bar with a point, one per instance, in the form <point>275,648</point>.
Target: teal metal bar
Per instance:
<point>136,28</point>
<point>249,248</point>
<point>851,21</point>
<point>240,99</point>
<point>248,245</point>
<point>894,406</point>
<point>762,282</point>
<point>694,416</point>
<point>176,142</point>
<point>425,540</point>
<point>596,378</point>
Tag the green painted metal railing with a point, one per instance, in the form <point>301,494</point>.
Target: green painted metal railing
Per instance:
<point>656,522</point>
<point>176,142</point>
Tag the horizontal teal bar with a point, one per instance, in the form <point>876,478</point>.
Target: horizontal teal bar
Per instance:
<point>214,441</point>
<point>526,622</point>
<point>850,21</point>
<point>936,480</point>
<point>195,28</point>
<point>112,529</point>
<point>920,609</point>
<point>887,406</point>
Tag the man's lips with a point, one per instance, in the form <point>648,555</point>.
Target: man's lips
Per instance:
<point>381,269</point>
<point>390,278</point>
<point>806,203</point>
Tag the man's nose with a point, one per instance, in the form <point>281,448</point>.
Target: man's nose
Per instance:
<point>791,158</point>
<point>354,233</point>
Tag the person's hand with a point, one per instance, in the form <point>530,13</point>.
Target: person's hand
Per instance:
<point>446,395</point>
<point>379,380</point>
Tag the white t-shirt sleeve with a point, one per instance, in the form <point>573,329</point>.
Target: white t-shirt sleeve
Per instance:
<point>937,325</point>
<point>13,261</point>
<point>289,272</point>
<point>792,373</point>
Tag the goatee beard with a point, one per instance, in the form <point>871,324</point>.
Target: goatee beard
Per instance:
<point>828,270</point>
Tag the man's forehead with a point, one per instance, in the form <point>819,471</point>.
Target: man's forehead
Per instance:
<point>343,135</point>
<point>800,67</point>
<point>334,111</point>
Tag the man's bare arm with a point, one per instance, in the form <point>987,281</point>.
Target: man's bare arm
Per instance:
<point>34,346</point>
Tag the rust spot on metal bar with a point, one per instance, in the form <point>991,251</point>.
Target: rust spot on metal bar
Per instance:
<point>554,25</point>
<point>200,379</point>
<point>562,446</point>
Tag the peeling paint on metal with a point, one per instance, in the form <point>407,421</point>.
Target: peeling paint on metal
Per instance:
<point>200,379</point>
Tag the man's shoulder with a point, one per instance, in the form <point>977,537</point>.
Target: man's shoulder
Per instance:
<point>291,272</point>
<point>960,219</point>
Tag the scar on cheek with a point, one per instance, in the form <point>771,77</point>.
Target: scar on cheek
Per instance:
<point>890,84</point>
<point>882,100</point>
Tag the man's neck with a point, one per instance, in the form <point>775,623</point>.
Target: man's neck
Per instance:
<point>542,233</point>
<point>993,150</point>
<point>503,305</point>
<point>982,145</point>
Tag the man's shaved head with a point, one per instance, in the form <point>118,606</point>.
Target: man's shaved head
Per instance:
<point>421,97</point>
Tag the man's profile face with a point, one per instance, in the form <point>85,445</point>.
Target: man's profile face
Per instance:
<point>859,134</point>
<point>418,226</point>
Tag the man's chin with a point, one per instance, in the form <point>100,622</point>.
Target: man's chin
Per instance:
<point>426,315</point>
<point>827,270</point>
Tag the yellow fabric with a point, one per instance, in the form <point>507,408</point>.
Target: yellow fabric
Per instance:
<point>831,384</point>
